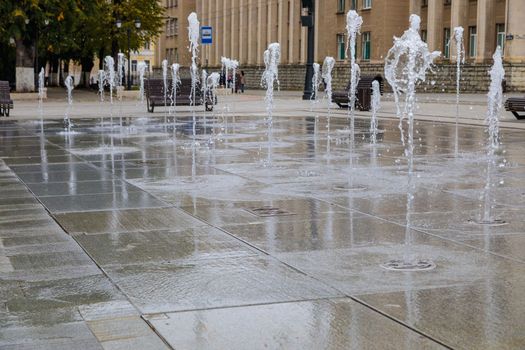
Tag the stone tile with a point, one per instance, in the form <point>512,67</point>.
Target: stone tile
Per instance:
<point>130,332</point>
<point>489,314</point>
<point>357,270</point>
<point>81,188</point>
<point>196,284</point>
<point>322,324</point>
<point>103,201</point>
<point>161,246</point>
<point>130,220</point>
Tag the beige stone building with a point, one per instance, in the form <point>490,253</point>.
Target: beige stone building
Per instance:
<point>242,29</point>
<point>173,42</point>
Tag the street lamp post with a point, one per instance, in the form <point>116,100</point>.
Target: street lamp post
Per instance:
<point>137,25</point>
<point>308,21</point>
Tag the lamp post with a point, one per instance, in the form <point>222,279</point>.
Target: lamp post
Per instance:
<point>308,21</point>
<point>137,25</point>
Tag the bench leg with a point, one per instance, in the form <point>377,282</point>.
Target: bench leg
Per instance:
<point>518,116</point>
<point>2,113</point>
<point>6,111</point>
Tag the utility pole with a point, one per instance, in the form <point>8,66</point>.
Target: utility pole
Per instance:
<point>308,21</point>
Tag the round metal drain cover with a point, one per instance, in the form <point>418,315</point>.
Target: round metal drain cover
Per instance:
<point>346,187</point>
<point>493,222</point>
<point>408,266</point>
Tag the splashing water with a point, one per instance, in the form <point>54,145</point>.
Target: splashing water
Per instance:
<point>228,65</point>
<point>212,84</point>
<point>272,58</point>
<point>204,93</point>
<point>121,61</point>
<point>175,82</point>
<point>376,105</point>
<point>460,58</point>
<point>353,25</point>
<point>165,80</point>
<point>101,81</point>
<point>315,82</point>
<point>406,65</point>
<point>328,66</point>
<point>495,101</point>
<point>109,63</point>
<point>69,85</point>
<point>41,93</point>
<point>193,36</point>
<point>141,68</point>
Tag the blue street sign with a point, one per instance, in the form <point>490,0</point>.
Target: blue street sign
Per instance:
<point>206,35</point>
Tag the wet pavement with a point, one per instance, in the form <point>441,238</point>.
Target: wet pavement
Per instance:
<point>140,238</point>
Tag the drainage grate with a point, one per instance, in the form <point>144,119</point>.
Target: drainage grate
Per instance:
<point>347,187</point>
<point>493,222</point>
<point>267,211</point>
<point>409,266</point>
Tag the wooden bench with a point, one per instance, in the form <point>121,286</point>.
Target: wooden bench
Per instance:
<point>6,103</point>
<point>155,95</point>
<point>516,105</point>
<point>363,93</point>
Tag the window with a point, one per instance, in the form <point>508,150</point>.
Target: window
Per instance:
<point>446,42</point>
<point>172,27</point>
<point>367,4</point>
<point>147,65</point>
<point>365,45</point>
<point>353,5</point>
<point>147,45</point>
<point>500,35</point>
<point>340,6</point>
<point>341,49</point>
<point>176,55</point>
<point>424,35</point>
<point>134,65</point>
<point>472,41</point>
<point>175,26</point>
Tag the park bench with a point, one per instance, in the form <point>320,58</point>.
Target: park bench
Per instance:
<point>363,93</point>
<point>155,95</point>
<point>6,103</point>
<point>516,105</point>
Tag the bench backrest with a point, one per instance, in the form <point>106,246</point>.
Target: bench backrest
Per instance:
<point>4,91</point>
<point>155,87</point>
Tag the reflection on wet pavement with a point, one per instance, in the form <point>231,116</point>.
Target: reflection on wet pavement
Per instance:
<point>135,238</point>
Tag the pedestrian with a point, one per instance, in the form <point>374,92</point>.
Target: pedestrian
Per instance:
<point>243,81</point>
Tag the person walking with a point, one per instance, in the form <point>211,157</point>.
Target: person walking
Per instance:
<point>243,81</point>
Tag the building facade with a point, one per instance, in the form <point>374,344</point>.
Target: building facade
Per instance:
<point>242,29</point>
<point>172,44</point>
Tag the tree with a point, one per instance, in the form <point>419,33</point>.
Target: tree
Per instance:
<point>76,30</point>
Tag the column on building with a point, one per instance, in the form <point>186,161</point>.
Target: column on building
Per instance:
<point>515,48</point>
<point>282,29</point>
<point>486,24</point>
<point>234,28</point>
<point>216,14</point>
<point>253,26</point>
<point>458,18</point>
<point>415,7</point>
<point>226,27</point>
<point>242,29</point>
<point>291,31</point>
<point>262,24</point>
<point>435,25</point>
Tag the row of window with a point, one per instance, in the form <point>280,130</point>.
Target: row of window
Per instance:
<point>366,4</point>
<point>134,65</point>
<point>172,55</point>
<point>366,46</point>
<point>172,3</point>
<point>172,26</point>
<point>366,42</point>
<point>472,40</point>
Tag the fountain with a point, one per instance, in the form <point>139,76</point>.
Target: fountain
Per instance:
<point>41,94</point>
<point>406,65</point>
<point>193,36</point>
<point>204,94</point>
<point>165,85</point>
<point>175,82</point>
<point>353,25</point>
<point>460,58</point>
<point>70,86</point>
<point>376,105</point>
<point>109,62</point>
<point>495,102</point>
<point>212,84</point>
<point>141,68</point>
<point>328,66</point>
<point>272,57</point>
<point>228,65</point>
<point>315,83</point>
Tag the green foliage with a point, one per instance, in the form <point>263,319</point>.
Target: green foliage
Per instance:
<point>78,29</point>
